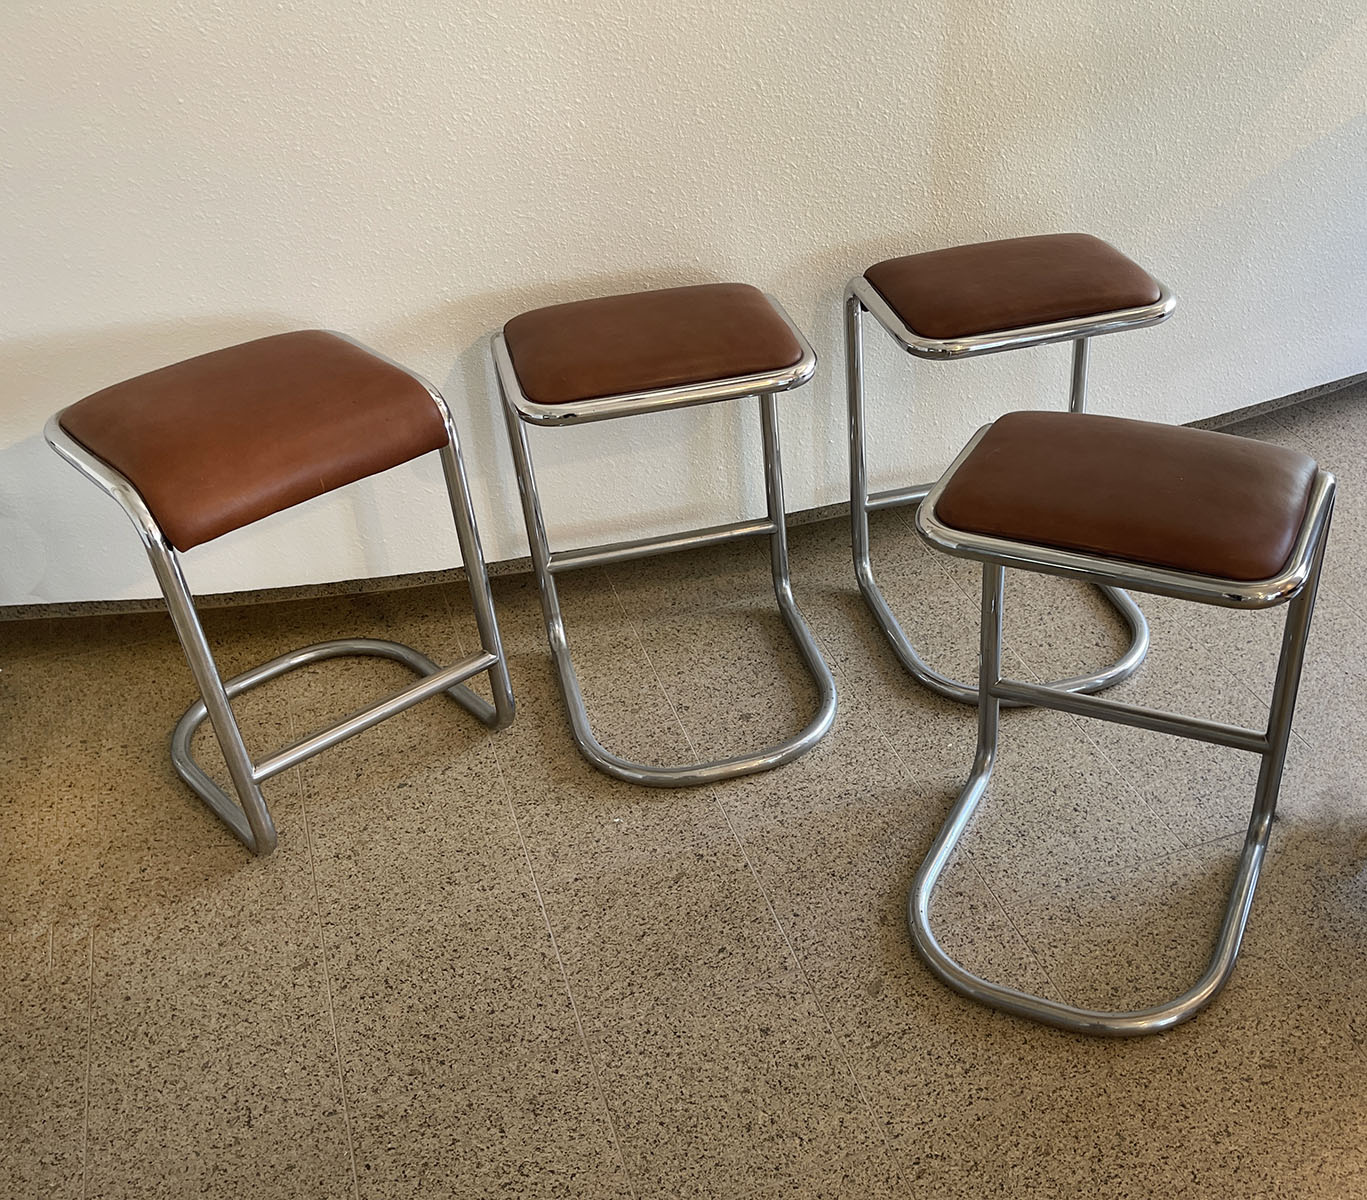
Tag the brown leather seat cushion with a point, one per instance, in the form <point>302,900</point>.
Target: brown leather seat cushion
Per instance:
<point>1208,503</point>
<point>222,440</point>
<point>998,286</point>
<point>618,345</point>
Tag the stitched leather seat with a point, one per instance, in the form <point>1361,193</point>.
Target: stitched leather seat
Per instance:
<point>992,287</point>
<point>219,441</point>
<point>1165,495</point>
<point>618,345</point>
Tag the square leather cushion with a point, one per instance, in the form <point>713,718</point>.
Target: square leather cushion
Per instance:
<point>995,287</point>
<point>620,345</point>
<point>219,441</point>
<point>1165,495</point>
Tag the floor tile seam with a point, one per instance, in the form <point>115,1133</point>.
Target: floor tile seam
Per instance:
<point>871,1113</point>
<point>89,1059</point>
<point>779,1190</point>
<point>51,658</point>
<point>1278,417</point>
<point>1029,945</point>
<point>1272,948</point>
<point>297,775</point>
<point>1350,606</point>
<point>589,1056</point>
<point>866,1103</point>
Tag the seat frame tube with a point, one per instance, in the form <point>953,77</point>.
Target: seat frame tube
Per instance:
<point>248,816</point>
<point>546,565</point>
<point>1270,744</point>
<point>862,297</point>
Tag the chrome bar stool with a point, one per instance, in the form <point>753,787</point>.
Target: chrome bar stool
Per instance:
<point>967,301</point>
<point>622,356</point>
<point>1178,512</point>
<point>200,448</point>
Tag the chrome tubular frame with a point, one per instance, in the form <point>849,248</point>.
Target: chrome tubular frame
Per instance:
<point>248,817</point>
<point>1296,584</point>
<point>518,411</point>
<point>861,297</point>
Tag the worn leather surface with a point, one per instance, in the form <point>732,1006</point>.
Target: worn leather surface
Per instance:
<point>591,349</point>
<point>1209,503</point>
<point>219,441</point>
<point>996,286</point>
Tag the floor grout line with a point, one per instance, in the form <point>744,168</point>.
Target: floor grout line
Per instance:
<point>565,979</point>
<point>89,1055</point>
<point>870,1111</point>
<point>559,958</point>
<point>327,972</point>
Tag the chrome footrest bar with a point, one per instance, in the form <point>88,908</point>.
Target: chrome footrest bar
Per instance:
<point>860,298</point>
<point>897,497</point>
<point>434,679</point>
<point>1155,720</point>
<point>693,539</point>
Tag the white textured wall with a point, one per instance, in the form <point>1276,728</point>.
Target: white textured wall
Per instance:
<point>180,176</point>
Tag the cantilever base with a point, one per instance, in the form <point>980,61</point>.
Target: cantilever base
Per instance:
<point>1270,744</point>
<point>433,679</point>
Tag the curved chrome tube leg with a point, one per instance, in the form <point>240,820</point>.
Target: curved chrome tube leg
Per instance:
<point>695,774</point>
<point>238,818</point>
<point>251,821</point>
<point>1237,909</point>
<point>860,506</point>
<point>501,713</point>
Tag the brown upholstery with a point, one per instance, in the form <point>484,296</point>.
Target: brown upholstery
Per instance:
<point>222,440</point>
<point>999,286</point>
<point>618,345</point>
<point>1207,503</point>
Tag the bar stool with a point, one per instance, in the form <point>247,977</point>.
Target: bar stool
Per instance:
<point>621,356</point>
<point>200,448</point>
<point>1178,512</point>
<point>967,301</point>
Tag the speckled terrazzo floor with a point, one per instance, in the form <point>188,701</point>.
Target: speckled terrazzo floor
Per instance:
<point>477,968</point>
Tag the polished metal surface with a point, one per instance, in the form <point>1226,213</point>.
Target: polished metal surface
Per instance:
<point>857,301</point>
<point>248,817</point>
<point>1205,589</point>
<point>1298,586</point>
<point>546,563</point>
<point>614,552</point>
<point>1008,339</point>
<point>634,403</point>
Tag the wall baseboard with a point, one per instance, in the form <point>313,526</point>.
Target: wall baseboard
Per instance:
<point>518,566</point>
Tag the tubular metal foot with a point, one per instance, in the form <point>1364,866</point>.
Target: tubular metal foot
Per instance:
<point>435,679</point>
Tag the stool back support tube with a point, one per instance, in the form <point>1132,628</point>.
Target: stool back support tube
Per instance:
<point>503,710</point>
<point>1272,749</point>
<point>251,822</point>
<point>780,572</point>
<point>260,836</point>
<point>1077,386</point>
<point>501,713</point>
